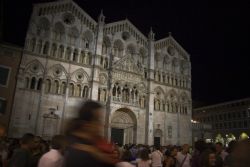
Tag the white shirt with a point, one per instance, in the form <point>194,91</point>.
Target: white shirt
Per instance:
<point>223,155</point>
<point>180,157</point>
<point>157,158</point>
<point>53,158</point>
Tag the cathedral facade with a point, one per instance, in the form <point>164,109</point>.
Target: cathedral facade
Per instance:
<point>69,58</point>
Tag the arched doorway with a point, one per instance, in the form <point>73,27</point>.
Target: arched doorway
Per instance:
<point>123,126</point>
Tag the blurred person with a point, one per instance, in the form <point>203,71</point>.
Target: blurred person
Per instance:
<point>220,151</point>
<point>228,159</point>
<point>170,154</point>
<point>144,160</point>
<point>241,154</point>
<point>183,157</point>
<point>84,133</point>
<point>36,151</point>
<point>13,145</point>
<point>199,147</point>
<point>208,159</point>
<point>125,160</point>
<point>22,156</point>
<point>44,146</point>
<point>157,157</point>
<point>54,158</point>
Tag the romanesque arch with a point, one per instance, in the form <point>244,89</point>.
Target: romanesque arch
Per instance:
<point>124,124</point>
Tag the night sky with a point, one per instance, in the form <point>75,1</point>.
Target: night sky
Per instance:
<point>215,34</point>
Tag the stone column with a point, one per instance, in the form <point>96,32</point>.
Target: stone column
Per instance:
<point>71,54</point>
<point>78,56</point>
<point>149,139</point>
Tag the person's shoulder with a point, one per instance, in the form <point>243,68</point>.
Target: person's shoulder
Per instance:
<point>178,154</point>
<point>124,164</point>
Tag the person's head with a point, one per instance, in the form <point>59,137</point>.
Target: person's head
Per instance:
<point>185,148</point>
<point>37,142</point>
<point>219,147</point>
<point>59,143</point>
<point>208,158</point>
<point>144,155</point>
<point>173,151</point>
<point>231,146</point>
<point>157,147</point>
<point>240,154</point>
<point>89,119</point>
<point>200,145</point>
<point>27,141</point>
<point>126,156</point>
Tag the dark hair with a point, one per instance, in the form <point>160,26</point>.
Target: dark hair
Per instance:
<point>157,147</point>
<point>87,111</point>
<point>27,138</point>
<point>85,114</point>
<point>200,145</point>
<point>144,155</point>
<point>58,142</point>
<point>204,160</point>
<point>219,143</point>
<point>231,146</point>
<point>126,156</point>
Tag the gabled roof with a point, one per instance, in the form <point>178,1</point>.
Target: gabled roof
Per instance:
<point>129,24</point>
<point>170,40</point>
<point>54,3</point>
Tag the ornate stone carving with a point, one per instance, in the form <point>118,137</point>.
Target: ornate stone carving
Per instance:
<point>57,72</point>
<point>68,18</point>
<point>125,35</point>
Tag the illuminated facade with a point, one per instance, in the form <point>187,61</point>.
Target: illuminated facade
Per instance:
<point>66,61</point>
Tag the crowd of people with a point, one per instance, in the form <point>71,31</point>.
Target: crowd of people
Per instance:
<point>83,146</point>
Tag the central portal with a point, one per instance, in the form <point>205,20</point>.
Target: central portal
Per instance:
<point>123,126</point>
<point>117,136</point>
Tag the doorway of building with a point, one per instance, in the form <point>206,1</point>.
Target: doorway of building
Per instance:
<point>123,126</point>
<point>157,141</point>
<point>117,135</point>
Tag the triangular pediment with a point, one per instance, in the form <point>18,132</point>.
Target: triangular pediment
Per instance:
<point>170,41</point>
<point>129,64</point>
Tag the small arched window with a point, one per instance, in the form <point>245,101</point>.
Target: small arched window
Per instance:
<point>85,92</point>
<point>32,44</point>
<point>46,48</point>
<point>63,88</point>
<point>33,83</point>
<point>78,91</point>
<point>39,47</point>
<point>39,84</point>
<point>68,54</point>
<point>87,44</point>
<point>56,87</point>
<point>53,50</point>
<point>75,55</point>
<point>71,89</point>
